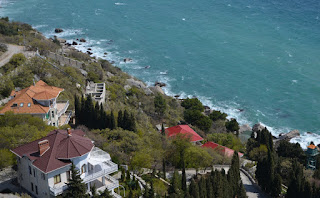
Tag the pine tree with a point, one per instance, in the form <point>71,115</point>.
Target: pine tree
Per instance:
<point>112,121</point>
<point>76,187</point>
<point>120,119</point>
<point>106,194</point>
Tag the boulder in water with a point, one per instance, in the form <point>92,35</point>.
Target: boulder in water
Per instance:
<point>58,30</point>
<point>74,43</point>
<point>82,40</point>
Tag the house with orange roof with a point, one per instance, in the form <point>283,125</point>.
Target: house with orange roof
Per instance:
<point>40,99</point>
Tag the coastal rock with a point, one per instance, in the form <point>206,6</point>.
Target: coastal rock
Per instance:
<point>127,60</point>
<point>258,127</point>
<point>177,96</point>
<point>61,40</point>
<point>109,75</point>
<point>74,43</point>
<point>105,53</point>
<point>157,89</point>
<point>58,30</point>
<point>89,48</point>
<point>90,53</point>
<point>83,40</point>
<point>140,85</point>
<point>127,87</point>
<point>290,135</point>
<point>160,84</point>
<point>244,128</point>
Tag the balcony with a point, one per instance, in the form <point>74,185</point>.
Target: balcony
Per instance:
<point>62,107</point>
<point>65,118</point>
<point>57,190</point>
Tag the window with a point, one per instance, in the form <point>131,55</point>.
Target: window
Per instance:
<point>34,172</point>
<point>29,104</point>
<point>14,105</point>
<point>54,124</point>
<point>30,170</point>
<point>21,104</point>
<point>32,186</point>
<point>68,175</point>
<point>36,189</point>
<point>83,168</point>
<point>52,113</point>
<point>57,179</point>
<point>43,176</point>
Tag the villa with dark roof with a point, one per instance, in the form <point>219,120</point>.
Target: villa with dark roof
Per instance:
<point>44,164</point>
<point>40,100</point>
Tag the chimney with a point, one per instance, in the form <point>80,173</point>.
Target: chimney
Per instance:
<point>69,132</point>
<point>43,146</point>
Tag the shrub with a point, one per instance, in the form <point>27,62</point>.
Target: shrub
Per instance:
<point>217,115</point>
<point>160,104</point>
<point>7,158</point>
<point>3,47</point>
<point>193,103</point>
<point>232,125</point>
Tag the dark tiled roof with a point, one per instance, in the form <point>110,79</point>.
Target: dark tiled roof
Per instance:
<point>62,148</point>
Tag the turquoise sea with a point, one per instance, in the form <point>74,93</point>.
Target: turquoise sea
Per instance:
<point>260,56</point>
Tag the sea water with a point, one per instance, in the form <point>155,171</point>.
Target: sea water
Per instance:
<point>262,57</point>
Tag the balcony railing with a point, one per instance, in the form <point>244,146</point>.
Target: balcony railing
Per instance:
<point>58,190</point>
<point>62,107</point>
<point>107,168</point>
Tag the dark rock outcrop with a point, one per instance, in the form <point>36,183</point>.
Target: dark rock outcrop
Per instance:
<point>83,40</point>
<point>160,84</point>
<point>58,30</point>
<point>258,127</point>
<point>74,43</point>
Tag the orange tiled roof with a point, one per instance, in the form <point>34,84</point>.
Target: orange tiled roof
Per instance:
<point>312,146</point>
<point>25,97</point>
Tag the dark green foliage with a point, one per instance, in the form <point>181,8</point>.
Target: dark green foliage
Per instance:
<point>120,119</point>
<point>194,189</point>
<point>291,150</point>
<point>193,104</point>
<point>174,188</point>
<point>232,125</point>
<point>106,194</point>
<point>112,121</point>
<point>184,178</point>
<point>77,107</point>
<point>297,187</point>
<point>164,168</point>
<point>163,131</point>
<point>195,117</point>
<point>217,115</point>
<point>317,171</point>
<point>160,104</point>
<point>76,187</point>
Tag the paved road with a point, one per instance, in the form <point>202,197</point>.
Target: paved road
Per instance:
<point>12,49</point>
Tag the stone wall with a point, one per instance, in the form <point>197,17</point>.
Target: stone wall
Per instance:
<point>65,60</point>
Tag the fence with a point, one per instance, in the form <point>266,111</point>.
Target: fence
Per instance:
<point>65,60</point>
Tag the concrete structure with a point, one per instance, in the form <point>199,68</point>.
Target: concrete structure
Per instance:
<point>44,164</point>
<point>312,153</point>
<point>97,91</point>
<point>39,100</point>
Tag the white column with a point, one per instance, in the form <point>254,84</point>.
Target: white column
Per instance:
<point>103,180</point>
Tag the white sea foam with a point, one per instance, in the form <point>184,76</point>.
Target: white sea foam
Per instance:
<point>65,34</point>
<point>119,4</point>
<point>39,26</point>
<point>305,138</point>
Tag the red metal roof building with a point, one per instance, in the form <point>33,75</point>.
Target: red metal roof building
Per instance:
<point>184,130</point>
<point>44,164</point>
<point>224,150</point>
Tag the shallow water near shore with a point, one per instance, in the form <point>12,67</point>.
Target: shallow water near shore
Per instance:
<point>260,56</point>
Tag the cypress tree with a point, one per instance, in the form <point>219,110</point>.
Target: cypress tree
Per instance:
<point>163,131</point>
<point>270,143</point>
<point>184,179</point>
<point>97,116</point>
<point>82,111</point>
<point>106,194</point>
<point>120,119</point>
<point>102,124</point>
<point>77,108</point>
<point>276,186</point>
<point>76,187</point>
<point>174,187</point>
<point>209,187</point>
<point>194,189</point>
<point>164,168</point>
<point>132,125</point>
<point>112,121</point>
<point>151,191</point>
<point>202,188</point>
<point>125,121</point>
<point>89,112</point>
<point>128,176</point>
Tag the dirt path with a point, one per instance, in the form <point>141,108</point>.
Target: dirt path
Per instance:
<point>12,49</point>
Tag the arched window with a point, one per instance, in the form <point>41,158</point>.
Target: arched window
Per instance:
<point>83,168</point>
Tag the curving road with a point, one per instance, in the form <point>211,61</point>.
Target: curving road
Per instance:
<point>12,49</point>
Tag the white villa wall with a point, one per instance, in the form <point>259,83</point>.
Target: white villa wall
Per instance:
<point>79,161</point>
<point>25,178</point>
